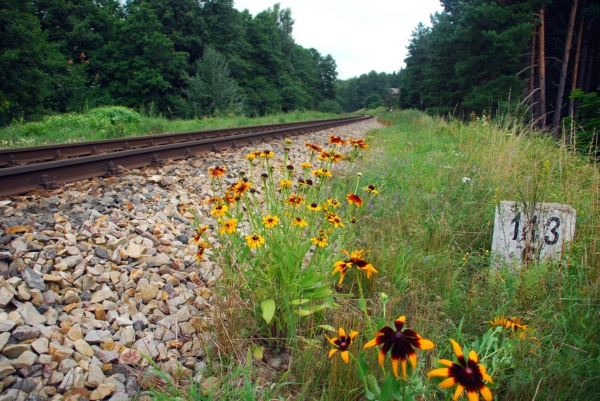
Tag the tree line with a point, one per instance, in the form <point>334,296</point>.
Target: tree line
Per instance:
<point>182,58</point>
<point>540,57</point>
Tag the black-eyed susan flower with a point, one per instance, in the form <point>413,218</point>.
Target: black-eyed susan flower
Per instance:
<point>333,203</point>
<point>336,140</point>
<point>266,154</point>
<point>298,221</point>
<point>270,221</point>
<point>336,157</point>
<point>228,226</point>
<point>294,200</point>
<point>358,143</point>
<point>285,183</point>
<point>324,156</point>
<point>353,198</point>
<point>468,374</point>
<point>241,186</point>
<point>322,172</point>
<point>314,148</point>
<point>219,210</point>
<point>306,165</point>
<point>354,259</point>
<point>199,231</point>
<point>513,324</point>
<point>315,207</point>
<point>250,156</point>
<point>288,141</point>
<point>353,219</point>
<point>335,220</point>
<point>254,240</point>
<point>201,248</point>
<point>320,240</point>
<point>371,189</point>
<point>217,171</point>
<point>402,342</point>
<point>342,343</point>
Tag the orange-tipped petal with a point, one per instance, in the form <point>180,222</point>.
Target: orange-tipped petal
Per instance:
<point>412,357</point>
<point>333,351</point>
<point>472,395</point>
<point>395,367</point>
<point>449,382</point>
<point>457,349</point>
<point>371,343</point>
<point>440,372</point>
<point>458,392</point>
<point>344,355</point>
<point>381,357</point>
<point>446,362</point>
<point>403,361</point>
<point>331,340</point>
<point>342,332</point>
<point>486,393</point>
<point>353,334</point>
<point>425,344</point>
<point>487,377</point>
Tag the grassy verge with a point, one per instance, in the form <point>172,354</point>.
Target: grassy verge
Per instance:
<point>114,122</point>
<point>429,231</point>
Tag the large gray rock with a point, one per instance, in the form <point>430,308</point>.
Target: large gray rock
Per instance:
<point>33,279</point>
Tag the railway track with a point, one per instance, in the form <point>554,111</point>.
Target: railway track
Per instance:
<point>27,169</point>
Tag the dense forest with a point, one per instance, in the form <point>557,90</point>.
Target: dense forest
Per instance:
<point>540,57</point>
<point>182,58</point>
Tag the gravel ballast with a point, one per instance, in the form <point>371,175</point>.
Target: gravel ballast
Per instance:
<point>102,271</point>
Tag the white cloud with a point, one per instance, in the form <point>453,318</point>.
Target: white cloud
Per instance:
<point>360,35</point>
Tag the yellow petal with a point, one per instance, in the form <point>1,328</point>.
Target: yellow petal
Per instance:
<point>473,356</point>
<point>441,372</point>
<point>344,355</point>
<point>486,393</point>
<point>395,367</point>
<point>403,361</point>
<point>457,349</point>
<point>458,392</point>
<point>446,362</point>
<point>353,334</point>
<point>342,332</point>
<point>381,358</point>
<point>487,378</point>
<point>333,351</point>
<point>401,319</point>
<point>449,382</point>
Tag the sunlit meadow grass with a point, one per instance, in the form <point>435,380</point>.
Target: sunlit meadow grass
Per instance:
<point>429,230</point>
<point>73,127</point>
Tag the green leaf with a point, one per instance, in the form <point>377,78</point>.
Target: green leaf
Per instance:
<point>390,388</point>
<point>304,312</point>
<point>268,310</point>
<point>362,367</point>
<point>257,352</point>
<point>373,384</point>
<point>301,301</point>
<point>327,327</point>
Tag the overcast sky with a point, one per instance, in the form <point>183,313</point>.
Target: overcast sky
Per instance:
<point>361,35</point>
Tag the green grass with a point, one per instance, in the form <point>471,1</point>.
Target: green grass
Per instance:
<point>428,231</point>
<point>113,122</point>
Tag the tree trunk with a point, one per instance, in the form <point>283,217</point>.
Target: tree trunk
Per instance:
<point>542,70</point>
<point>531,82</point>
<point>563,72</point>
<point>575,69</point>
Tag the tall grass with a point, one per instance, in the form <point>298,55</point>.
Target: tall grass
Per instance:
<point>104,123</point>
<point>429,231</point>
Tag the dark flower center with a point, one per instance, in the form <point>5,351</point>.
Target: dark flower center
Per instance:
<point>313,205</point>
<point>468,371</point>
<point>343,345</point>
<point>398,335</point>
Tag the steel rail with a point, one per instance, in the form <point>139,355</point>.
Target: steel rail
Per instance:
<point>49,175</point>
<point>36,154</point>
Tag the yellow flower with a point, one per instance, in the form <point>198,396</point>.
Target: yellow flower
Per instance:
<point>217,171</point>
<point>320,240</point>
<point>314,207</point>
<point>306,165</point>
<point>229,226</point>
<point>332,202</point>
<point>342,343</point>
<point>270,221</point>
<point>219,210</point>
<point>266,154</point>
<point>254,240</point>
<point>322,172</point>
<point>371,188</point>
<point>285,183</point>
<point>299,222</point>
<point>354,259</point>
<point>201,248</point>
<point>335,220</point>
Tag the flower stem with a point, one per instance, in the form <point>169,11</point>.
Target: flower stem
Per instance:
<point>363,306</point>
